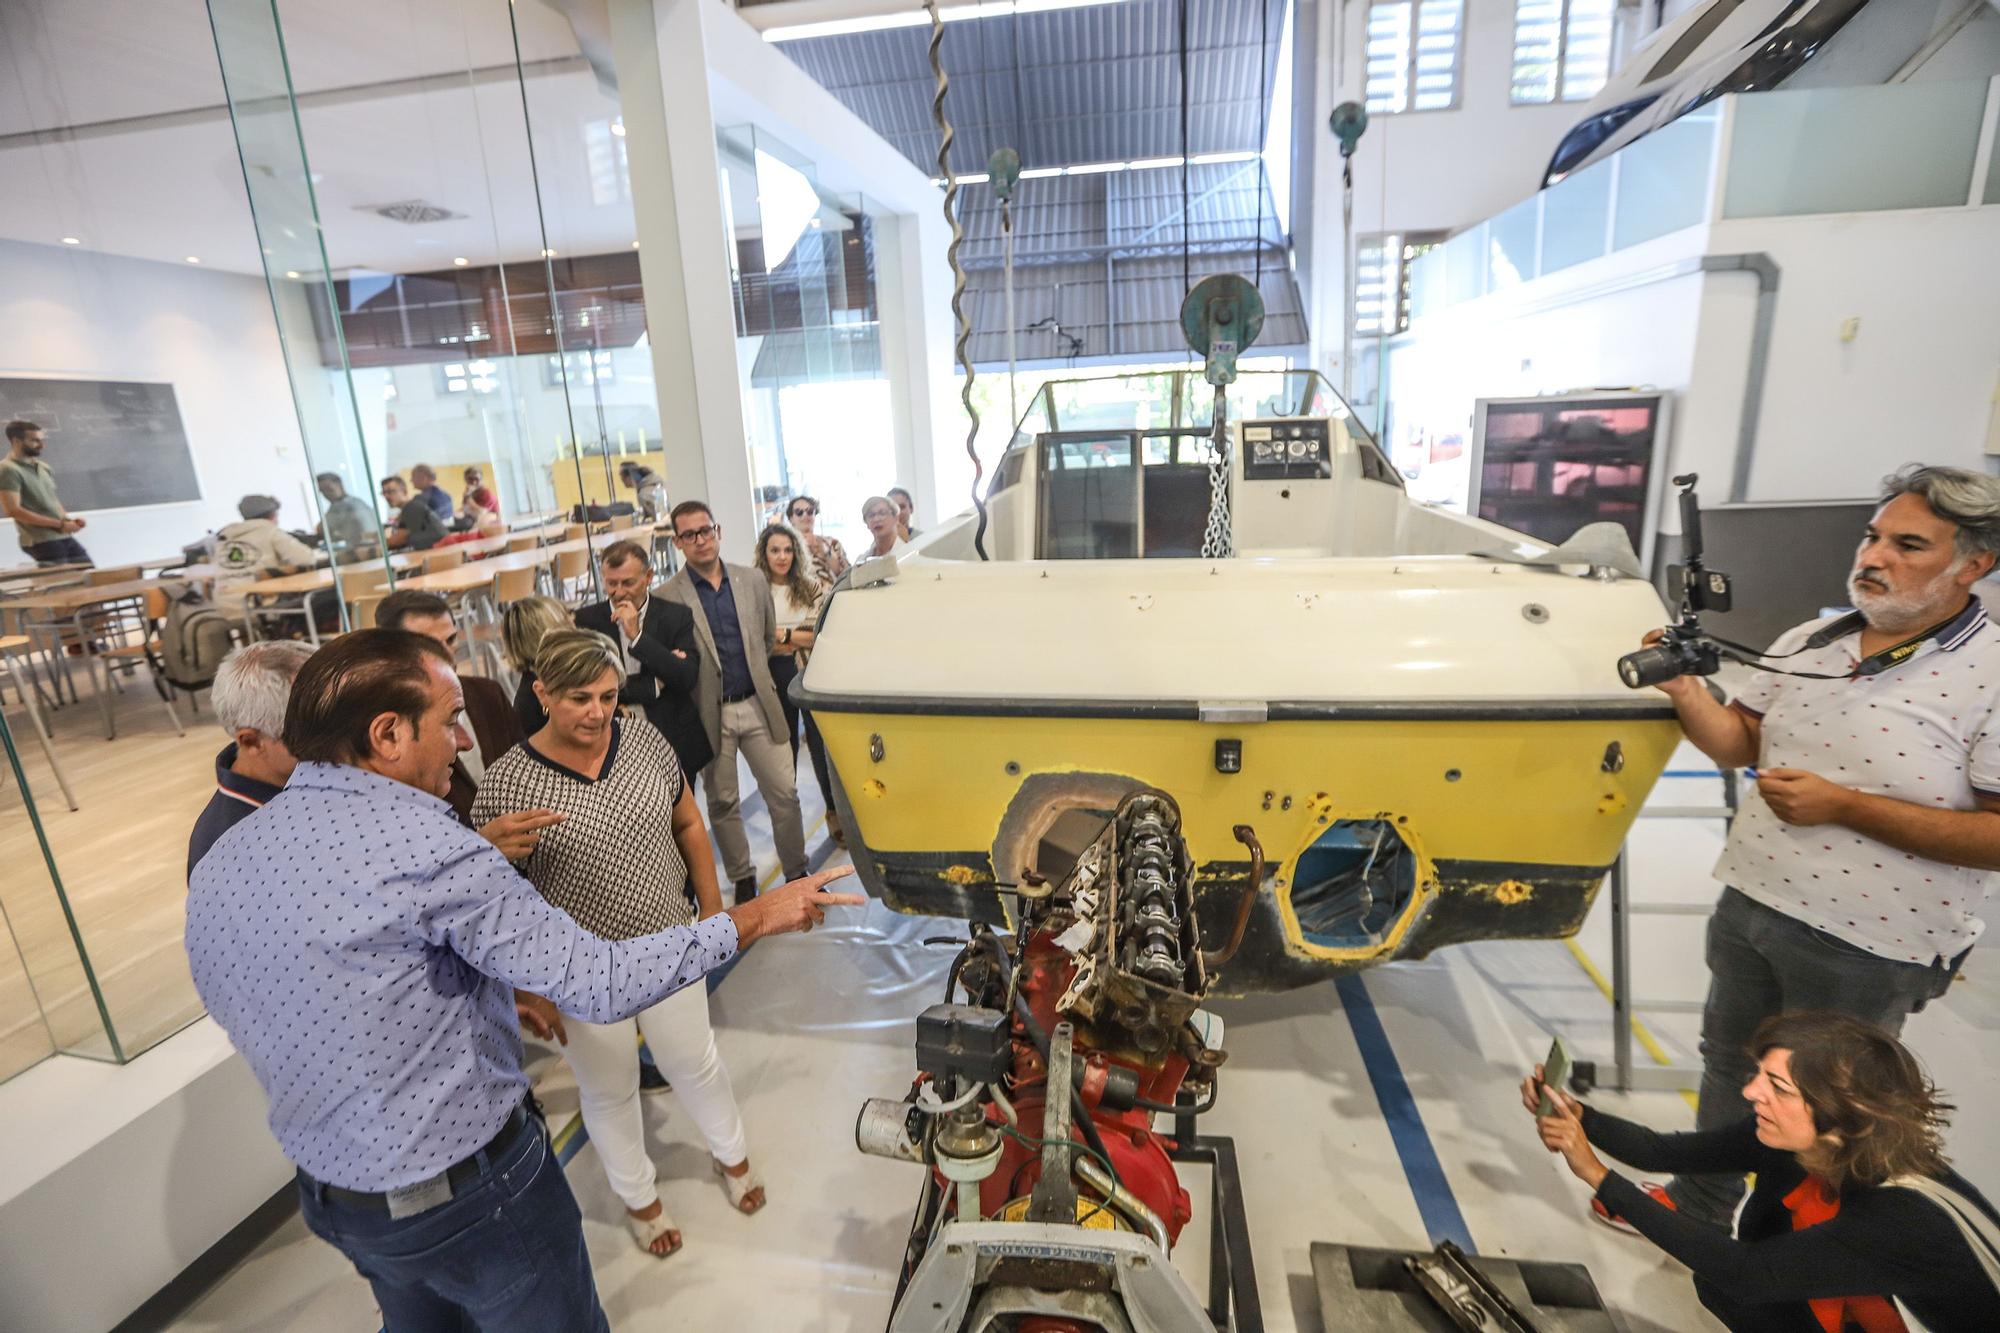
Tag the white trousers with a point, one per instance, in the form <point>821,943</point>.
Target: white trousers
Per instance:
<point>605,1059</point>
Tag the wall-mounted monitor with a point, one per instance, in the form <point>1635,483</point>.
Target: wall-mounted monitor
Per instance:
<point>1548,466</point>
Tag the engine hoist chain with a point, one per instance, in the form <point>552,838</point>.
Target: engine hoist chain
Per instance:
<point>1215,541</point>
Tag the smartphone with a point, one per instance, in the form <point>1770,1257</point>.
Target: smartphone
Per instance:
<point>1555,1075</point>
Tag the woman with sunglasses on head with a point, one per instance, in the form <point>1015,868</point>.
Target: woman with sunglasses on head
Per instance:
<point>797,597</point>
<point>829,557</point>
<point>1856,1217</point>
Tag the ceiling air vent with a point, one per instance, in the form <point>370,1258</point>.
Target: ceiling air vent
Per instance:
<point>411,211</point>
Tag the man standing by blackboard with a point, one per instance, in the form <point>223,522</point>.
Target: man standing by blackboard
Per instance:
<point>28,495</point>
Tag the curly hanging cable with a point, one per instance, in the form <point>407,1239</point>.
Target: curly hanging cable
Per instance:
<point>957,271</point>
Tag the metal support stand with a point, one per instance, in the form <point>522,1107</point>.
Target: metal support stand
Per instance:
<point>1624,1008</point>
<point>1233,1304</point>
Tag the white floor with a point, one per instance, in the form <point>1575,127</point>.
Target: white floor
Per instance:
<point>812,1025</point>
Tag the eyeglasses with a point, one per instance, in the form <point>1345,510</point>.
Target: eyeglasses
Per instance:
<point>693,535</point>
<point>803,512</point>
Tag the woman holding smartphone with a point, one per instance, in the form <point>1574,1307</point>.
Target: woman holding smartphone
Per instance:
<point>1856,1222</point>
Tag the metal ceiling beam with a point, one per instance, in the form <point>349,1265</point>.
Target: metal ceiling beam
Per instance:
<point>1181,212</point>
<point>1090,254</point>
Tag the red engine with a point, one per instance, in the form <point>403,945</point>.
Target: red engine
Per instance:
<point>1078,1031</point>
<point>1138,1155</point>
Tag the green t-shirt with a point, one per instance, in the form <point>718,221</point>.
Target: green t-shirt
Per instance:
<point>36,485</point>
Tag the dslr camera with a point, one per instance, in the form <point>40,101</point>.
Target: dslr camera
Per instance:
<point>1683,649</point>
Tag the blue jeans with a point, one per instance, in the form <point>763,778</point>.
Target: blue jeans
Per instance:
<point>59,551</point>
<point>1762,963</point>
<point>505,1255</point>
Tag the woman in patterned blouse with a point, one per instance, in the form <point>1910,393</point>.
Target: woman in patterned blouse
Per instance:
<point>829,557</point>
<point>630,844</point>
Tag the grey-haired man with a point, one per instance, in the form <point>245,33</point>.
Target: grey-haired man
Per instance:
<point>252,687</point>
<point>1873,830</point>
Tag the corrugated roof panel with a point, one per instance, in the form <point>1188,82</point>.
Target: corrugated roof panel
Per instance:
<point>1129,309</point>
<point>1055,216</point>
<point>1094,84</point>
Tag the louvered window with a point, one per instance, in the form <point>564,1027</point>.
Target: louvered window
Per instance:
<point>1413,55</point>
<point>1562,48</point>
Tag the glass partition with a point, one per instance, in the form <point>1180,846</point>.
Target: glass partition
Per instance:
<point>1663,178</point>
<point>250,272</point>
<point>1843,150</point>
<point>137,333</point>
<point>1820,150</point>
<point>279,183</point>
<point>49,998</point>
<point>816,401</point>
<point>1576,218</point>
<point>592,367</point>
<point>1513,245</point>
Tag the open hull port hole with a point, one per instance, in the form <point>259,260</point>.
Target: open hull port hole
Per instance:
<point>1352,883</point>
<point>1074,829</point>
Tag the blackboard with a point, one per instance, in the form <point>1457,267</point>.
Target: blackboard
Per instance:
<point>112,444</point>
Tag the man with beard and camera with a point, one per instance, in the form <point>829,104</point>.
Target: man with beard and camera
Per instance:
<point>1872,833</point>
<point>662,661</point>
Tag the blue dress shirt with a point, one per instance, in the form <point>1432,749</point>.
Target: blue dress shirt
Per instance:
<point>360,946</point>
<point>719,605</point>
<point>439,502</point>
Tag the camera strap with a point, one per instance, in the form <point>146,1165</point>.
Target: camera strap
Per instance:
<point>1872,665</point>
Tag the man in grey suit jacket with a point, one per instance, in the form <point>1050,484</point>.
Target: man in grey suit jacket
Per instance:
<point>734,619</point>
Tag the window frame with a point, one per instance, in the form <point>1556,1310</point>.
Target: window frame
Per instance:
<point>1409,245</point>
<point>1559,76</point>
<point>1409,62</point>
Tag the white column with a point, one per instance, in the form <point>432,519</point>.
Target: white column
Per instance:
<point>662,64</point>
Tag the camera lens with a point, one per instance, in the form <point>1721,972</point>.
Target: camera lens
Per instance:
<point>1649,666</point>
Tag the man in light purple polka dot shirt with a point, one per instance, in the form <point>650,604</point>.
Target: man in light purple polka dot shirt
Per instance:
<point>1857,861</point>
<point>361,948</point>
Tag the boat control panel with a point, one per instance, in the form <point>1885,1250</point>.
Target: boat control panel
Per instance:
<point>1287,449</point>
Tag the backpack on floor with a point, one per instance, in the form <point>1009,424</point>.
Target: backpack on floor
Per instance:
<point>193,641</point>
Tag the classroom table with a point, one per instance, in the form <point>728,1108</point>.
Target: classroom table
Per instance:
<point>71,609</point>
<point>20,671</point>
<point>474,573</point>
<point>33,578</point>
<point>261,598</point>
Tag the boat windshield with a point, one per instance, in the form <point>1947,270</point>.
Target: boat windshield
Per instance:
<point>1175,401</point>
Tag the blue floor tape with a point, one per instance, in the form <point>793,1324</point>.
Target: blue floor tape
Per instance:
<point>1436,1204</point>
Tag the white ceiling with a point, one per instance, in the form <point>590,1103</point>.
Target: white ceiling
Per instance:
<point>113,129</point>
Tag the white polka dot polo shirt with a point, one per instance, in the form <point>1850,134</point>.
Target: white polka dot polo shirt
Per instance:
<point>1924,731</point>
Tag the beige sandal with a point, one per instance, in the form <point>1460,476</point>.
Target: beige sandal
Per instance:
<point>740,1187</point>
<point>647,1230</point>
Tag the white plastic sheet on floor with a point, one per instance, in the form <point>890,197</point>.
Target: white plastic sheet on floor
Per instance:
<point>811,1025</point>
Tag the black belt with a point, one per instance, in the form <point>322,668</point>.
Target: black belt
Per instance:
<point>456,1175</point>
<point>738,698</point>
